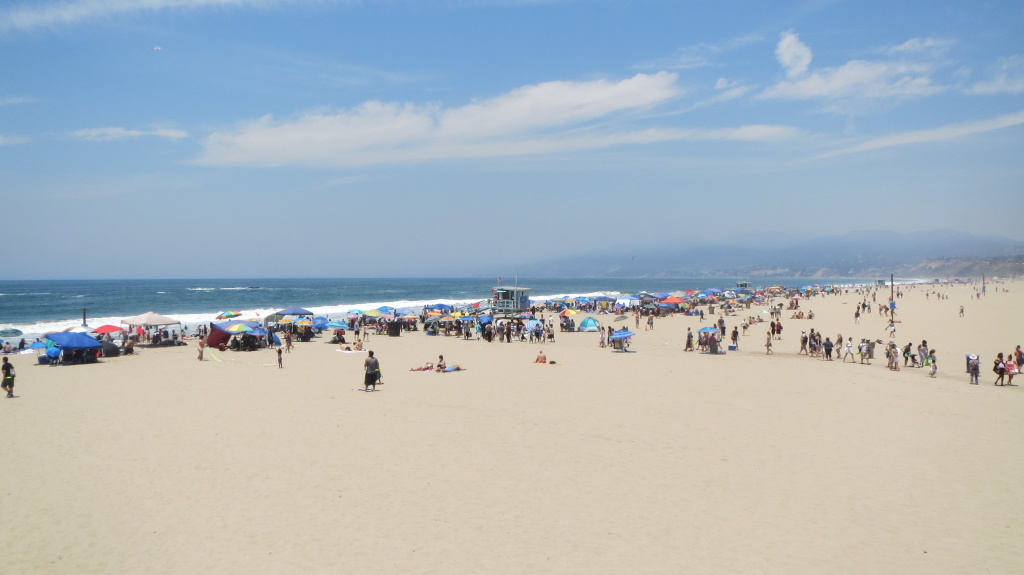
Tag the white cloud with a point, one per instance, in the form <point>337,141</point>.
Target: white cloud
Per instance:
<point>793,54</point>
<point>17,100</point>
<point>930,46</point>
<point>856,80</point>
<point>12,140</point>
<point>1007,79</point>
<point>29,16</point>
<point>942,133</point>
<point>859,79</point>
<point>543,118</point>
<point>117,133</point>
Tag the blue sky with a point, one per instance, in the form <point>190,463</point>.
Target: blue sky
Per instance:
<point>227,138</point>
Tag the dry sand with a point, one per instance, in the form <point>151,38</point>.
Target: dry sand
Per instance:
<point>657,461</point>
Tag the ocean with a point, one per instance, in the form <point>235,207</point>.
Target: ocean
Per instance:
<point>38,307</point>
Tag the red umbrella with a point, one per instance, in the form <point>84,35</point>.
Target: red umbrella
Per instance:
<point>106,329</point>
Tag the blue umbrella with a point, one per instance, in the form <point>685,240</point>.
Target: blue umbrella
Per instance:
<point>533,324</point>
<point>37,345</point>
<point>320,322</point>
<point>621,334</point>
<point>707,329</point>
<point>335,324</point>
<point>484,319</point>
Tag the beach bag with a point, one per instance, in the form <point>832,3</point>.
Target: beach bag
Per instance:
<point>973,365</point>
<point>998,367</point>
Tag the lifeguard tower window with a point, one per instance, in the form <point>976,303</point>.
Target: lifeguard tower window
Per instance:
<point>880,282</point>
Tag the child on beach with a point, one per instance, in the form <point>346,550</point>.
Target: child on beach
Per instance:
<point>934,365</point>
<point>280,359</point>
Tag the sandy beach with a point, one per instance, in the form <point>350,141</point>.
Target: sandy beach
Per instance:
<point>654,461</point>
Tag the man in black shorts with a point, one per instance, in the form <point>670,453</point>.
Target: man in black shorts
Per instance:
<point>8,375</point>
<point>372,368</point>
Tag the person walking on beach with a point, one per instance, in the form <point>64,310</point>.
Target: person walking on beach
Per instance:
<point>848,351</point>
<point>998,368</point>
<point>288,341</point>
<point>973,369</point>
<point>768,344</point>
<point>201,344</point>
<point>371,369</point>
<point>689,340</point>
<point>865,352</point>
<point>7,370</point>
<point>827,346</point>
<point>771,329</point>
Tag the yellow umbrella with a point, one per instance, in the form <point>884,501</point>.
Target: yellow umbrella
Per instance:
<point>373,313</point>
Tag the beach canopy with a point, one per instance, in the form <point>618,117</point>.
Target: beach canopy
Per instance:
<point>589,324</point>
<point>74,340</point>
<point>149,319</point>
<point>294,310</point>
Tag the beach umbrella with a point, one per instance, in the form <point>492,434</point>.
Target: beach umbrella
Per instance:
<point>533,324</point>
<point>37,345</point>
<point>708,329</point>
<point>386,309</point>
<point>320,322</point>
<point>303,322</point>
<point>373,313</point>
<point>621,334</point>
<point>335,324</point>
<point>447,318</point>
<point>484,319</point>
<point>237,328</point>
<point>11,332</point>
<point>227,315</point>
<point>107,329</point>
<point>356,311</point>
<point>258,331</point>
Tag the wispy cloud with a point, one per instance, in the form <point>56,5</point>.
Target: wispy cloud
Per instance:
<point>1008,78</point>
<point>698,55</point>
<point>854,80</point>
<point>17,100</point>
<point>537,119</point>
<point>12,140</point>
<point>117,133</point>
<point>942,133</point>
<point>29,16</point>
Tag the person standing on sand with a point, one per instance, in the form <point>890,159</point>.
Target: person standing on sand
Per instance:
<point>288,341</point>
<point>371,369</point>
<point>280,359</point>
<point>7,370</point>
<point>865,352</point>
<point>1012,368</point>
<point>933,363</point>
<point>768,344</point>
<point>973,369</point>
<point>736,337</point>
<point>998,367</point>
<point>201,344</point>
<point>689,340</point>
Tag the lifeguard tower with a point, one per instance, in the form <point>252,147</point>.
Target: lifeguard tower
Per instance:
<point>507,301</point>
<point>742,284</point>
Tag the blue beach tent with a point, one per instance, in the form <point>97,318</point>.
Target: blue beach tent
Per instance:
<point>74,340</point>
<point>589,324</point>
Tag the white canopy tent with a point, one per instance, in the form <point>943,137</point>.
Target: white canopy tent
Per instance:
<point>149,319</point>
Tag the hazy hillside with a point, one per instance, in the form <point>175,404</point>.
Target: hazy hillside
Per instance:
<point>939,253</point>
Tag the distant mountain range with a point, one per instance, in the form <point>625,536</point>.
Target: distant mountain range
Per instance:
<point>938,254</point>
